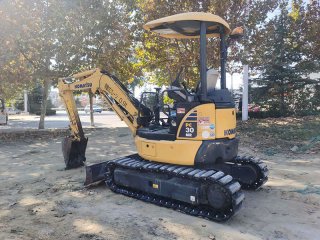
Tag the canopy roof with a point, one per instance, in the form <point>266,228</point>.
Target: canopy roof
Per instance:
<point>186,25</point>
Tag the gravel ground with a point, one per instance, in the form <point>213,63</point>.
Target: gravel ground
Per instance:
<point>40,200</point>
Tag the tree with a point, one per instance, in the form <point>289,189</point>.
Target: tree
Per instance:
<point>164,57</point>
<point>15,71</point>
<point>56,38</point>
<point>32,34</point>
<point>283,81</point>
<point>35,101</point>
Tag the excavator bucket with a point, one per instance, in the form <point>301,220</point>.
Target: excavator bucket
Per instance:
<point>74,152</point>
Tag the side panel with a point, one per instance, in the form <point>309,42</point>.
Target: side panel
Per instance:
<point>198,124</point>
<point>216,151</point>
<point>181,152</point>
<point>226,123</point>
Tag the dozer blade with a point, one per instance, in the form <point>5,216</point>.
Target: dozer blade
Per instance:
<point>74,152</point>
<point>97,172</point>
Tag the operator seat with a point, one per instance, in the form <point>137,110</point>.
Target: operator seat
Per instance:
<point>178,93</point>
<point>212,78</point>
<point>221,97</point>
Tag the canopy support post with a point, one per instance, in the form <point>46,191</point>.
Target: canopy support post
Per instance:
<point>223,58</point>
<point>203,60</point>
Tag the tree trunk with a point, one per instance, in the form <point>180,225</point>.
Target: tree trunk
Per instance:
<point>282,103</point>
<point>46,85</point>
<point>91,108</point>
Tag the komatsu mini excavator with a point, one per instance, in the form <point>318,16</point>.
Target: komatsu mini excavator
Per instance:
<point>187,154</point>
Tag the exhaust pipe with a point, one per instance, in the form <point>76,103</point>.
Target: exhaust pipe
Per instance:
<point>74,152</point>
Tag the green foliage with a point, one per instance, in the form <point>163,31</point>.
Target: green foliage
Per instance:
<point>46,39</point>
<point>164,57</point>
<point>260,115</point>
<point>283,82</point>
<point>167,100</point>
<point>35,99</point>
<point>282,129</point>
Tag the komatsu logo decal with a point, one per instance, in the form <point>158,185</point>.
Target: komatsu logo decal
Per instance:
<point>83,85</point>
<point>229,132</point>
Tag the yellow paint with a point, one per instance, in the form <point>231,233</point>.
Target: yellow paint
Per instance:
<point>188,16</point>
<point>148,148</point>
<point>180,152</point>
<point>95,81</point>
<point>225,120</point>
<point>205,118</point>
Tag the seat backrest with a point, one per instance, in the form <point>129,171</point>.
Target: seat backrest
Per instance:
<point>212,78</point>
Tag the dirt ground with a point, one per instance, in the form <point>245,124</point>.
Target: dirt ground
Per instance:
<point>40,200</point>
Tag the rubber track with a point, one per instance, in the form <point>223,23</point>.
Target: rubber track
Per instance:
<point>260,167</point>
<point>230,187</point>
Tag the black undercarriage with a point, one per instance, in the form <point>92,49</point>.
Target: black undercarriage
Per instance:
<point>209,193</point>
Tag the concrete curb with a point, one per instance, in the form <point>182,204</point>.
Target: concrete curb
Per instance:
<point>10,135</point>
<point>26,134</point>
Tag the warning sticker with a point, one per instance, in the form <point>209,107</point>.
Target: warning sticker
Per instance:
<point>205,134</point>
<point>204,120</point>
<point>181,110</point>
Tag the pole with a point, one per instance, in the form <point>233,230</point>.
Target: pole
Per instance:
<point>245,93</point>
<point>91,108</point>
<point>231,75</point>
<point>223,58</point>
<point>245,70</point>
<point>25,100</point>
<point>203,60</point>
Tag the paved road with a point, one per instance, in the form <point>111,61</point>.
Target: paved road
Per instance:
<point>60,120</point>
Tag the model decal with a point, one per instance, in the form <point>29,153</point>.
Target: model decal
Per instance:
<point>188,130</point>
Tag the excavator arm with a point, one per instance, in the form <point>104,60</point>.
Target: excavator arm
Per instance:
<point>117,95</point>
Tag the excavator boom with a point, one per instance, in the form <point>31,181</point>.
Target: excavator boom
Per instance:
<point>117,95</point>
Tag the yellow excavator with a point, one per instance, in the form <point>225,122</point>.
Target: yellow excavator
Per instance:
<point>186,151</point>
